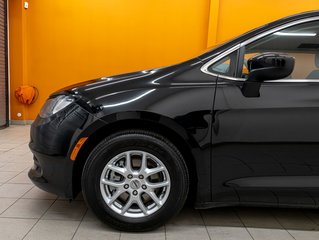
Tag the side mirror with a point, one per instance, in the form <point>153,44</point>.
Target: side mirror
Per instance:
<point>266,66</point>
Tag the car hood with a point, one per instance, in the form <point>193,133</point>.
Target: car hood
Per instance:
<point>139,80</point>
<point>87,86</point>
<point>91,91</point>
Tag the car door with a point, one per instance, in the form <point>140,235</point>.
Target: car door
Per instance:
<point>266,149</point>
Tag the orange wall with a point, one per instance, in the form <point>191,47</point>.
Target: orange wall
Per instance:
<point>56,43</point>
<point>230,18</point>
<point>16,54</point>
<point>75,40</point>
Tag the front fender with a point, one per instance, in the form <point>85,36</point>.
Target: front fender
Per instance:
<point>200,154</point>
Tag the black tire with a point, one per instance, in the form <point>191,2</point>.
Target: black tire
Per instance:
<point>152,143</point>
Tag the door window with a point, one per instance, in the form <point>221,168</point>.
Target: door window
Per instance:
<point>300,41</point>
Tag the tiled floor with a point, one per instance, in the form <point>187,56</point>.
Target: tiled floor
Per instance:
<point>29,213</point>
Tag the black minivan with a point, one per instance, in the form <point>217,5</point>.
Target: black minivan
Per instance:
<point>237,125</point>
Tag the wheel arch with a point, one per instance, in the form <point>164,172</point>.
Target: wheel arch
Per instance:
<point>137,120</point>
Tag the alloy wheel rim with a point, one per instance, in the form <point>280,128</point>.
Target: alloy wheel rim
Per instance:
<point>135,184</point>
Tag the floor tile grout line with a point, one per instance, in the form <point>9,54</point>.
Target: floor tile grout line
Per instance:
<point>13,171</point>
<point>12,177</point>
<point>9,198</point>
<point>242,222</point>
<point>8,207</point>
<point>35,198</point>
<point>27,192</point>
<point>7,150</point>
<point>18,183</point>
<point>39,219</point>
<point>30,198</point>
<point>201,215</point>
<point>274,216</point>
<point>77,228</point>
<point>18,217</point>
<point>310,218</point>
<point>57,220</point>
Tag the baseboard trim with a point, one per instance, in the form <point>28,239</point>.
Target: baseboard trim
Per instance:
<point>21,122</point>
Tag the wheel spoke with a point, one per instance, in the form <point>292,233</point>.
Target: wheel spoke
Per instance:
<point>112,184</point>
<point>151,171</point>
<point>158,184</point>
<point>115,196</point>
<point>127,206</point>
<point>121,171</point>
<point>141,205</point>
<point>143,163</point>
<point>128,163</point>
<point>155,198</point>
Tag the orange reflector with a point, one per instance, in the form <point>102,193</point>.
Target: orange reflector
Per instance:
<point>77,148</point>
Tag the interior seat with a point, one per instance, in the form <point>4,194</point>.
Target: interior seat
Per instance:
<point>315,73</point>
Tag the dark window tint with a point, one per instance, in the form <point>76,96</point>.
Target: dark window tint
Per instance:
<point>300,41</point>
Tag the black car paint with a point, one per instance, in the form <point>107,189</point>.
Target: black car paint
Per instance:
<point>245,149</point>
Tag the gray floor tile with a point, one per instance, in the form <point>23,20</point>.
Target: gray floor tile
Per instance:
<point>188,216</point>
<point>64,210</point>
<point>18,153</point>
<point>37,193</point>
<point>23,148</point>
<point>52,229</point>
<point>270,234</point>
<point>294,219</point>
<point>3,160</point>
<point>6,176</point>
<point>5,203</point>
<point>313,215</point>
<point>21,178</point>
<point>258,218</point>
<point>90,216</point>
<point>15,229</point>
<point>27,208</point>
<point>228,233</point>
<point>158,234</point>
<point>95,230</point>
<point>176,232</point>
<point>24,158</point>
<point>8,146</point>
<point>6,157</point>
<point>11,190</point>
<point>15,167</point>
<point>304,235</point>
<point>225,217</point>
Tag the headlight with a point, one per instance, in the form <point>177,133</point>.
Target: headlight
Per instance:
<point>54,105</point>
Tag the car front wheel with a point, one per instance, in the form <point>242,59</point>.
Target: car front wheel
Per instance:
<point>135,180</point>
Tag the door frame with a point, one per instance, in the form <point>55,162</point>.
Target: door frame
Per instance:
<point>6,41</point>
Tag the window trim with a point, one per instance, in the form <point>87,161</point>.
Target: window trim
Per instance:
<point>205,67</point>
<point>233,68</point>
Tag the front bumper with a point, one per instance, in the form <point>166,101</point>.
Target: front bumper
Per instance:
<point>52,174</point>
<point>51,141</point>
